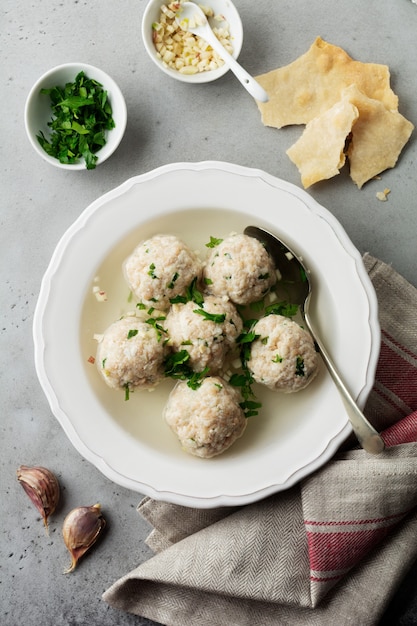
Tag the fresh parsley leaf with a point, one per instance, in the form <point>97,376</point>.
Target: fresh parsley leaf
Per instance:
<point>213,242</point>
<point>176,365</point>
<point>195,381</point>
<point>244,382</point>
<point>192,294</point>
<point>247,337</point>
<point>257,306</point>
<point>282,308</point>
<point>250,407</point>
<point>217,318</point>
<point>238,380</point>
<point>160,330</point>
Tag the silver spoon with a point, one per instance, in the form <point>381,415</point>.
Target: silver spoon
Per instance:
<point>192,19</point>
<point>296,277</point>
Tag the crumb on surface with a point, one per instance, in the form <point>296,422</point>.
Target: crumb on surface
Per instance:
<point>383,195</point>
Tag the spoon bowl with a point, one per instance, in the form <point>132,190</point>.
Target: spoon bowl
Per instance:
<point>296,280</point>
<point>193,19</point>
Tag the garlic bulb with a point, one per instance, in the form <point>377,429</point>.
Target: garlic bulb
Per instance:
<point>42,487</point>
<point>81,529</point>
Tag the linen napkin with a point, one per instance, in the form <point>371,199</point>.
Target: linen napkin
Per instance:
<point>331,550</point>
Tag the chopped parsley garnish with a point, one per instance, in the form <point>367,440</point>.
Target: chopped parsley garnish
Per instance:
<point>282,308</point>
<point>177,367</point>
<point>245,339</point>
<point>171,284</point>
<point>250,407</point>
<point>299,367</point>
<point>257,306</point>
<point>191,294</point>
<point>195,381</point>
<point>238,380</point>
<point>303,275</point>
<point>151,271</point>
<point>244,380</point>
<point>132,333</point>
<point>277,359</point>
<point>82,114</point>
<point>213,242</point>
<point>153,321</point>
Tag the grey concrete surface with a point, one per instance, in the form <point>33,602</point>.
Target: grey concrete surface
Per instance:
<point>39,202</point>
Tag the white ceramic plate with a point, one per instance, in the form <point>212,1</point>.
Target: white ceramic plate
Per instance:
<point>128,441</point>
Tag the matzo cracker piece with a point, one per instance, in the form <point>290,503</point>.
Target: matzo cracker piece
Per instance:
<point>378,137</point>
<point>319,153</point>
<point>313,83</point>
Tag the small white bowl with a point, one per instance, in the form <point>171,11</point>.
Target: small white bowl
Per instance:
<point>220,7</point>
<point>38,111</point>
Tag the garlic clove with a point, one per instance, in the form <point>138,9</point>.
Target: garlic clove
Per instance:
<point>81,529</point>
<point>42,487</point>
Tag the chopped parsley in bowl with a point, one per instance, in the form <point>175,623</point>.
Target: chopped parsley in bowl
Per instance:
<point>75,116</point>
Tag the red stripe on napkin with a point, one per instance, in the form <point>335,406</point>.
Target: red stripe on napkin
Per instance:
<point>404,431</point>
<point>332,550</point>
<point>337,545</point>
<point>396,373</point>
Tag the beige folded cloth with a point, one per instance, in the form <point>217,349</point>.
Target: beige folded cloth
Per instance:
<point>330,550</point>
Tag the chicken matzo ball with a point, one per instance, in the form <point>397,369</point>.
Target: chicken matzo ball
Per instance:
<point>284,357</point>
<point>130,355</point>
<point>239,268</point>
<point>161,268</point>
<point>207,332</point>
<point>206,420</point>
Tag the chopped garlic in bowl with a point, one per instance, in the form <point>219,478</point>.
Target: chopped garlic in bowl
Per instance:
<point>181,54</point>
<point>183,51</point>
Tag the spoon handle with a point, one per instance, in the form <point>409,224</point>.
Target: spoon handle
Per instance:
<point>248,82</point>
<point>369,439</point>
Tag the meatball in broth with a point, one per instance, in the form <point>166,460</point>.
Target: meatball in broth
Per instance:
<point>161,268</point>
<point>283,357</point>
<point>208,332</point>
<point>130,354</point>
<point>240,269</point>
<point>207,420</point>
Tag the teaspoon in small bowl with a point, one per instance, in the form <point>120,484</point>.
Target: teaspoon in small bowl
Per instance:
<point>192,19</point>
<point>296,277</point>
